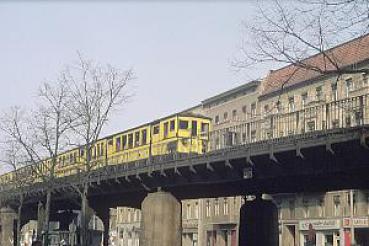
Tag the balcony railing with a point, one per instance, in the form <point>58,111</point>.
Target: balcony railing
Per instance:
<point>345,113</point>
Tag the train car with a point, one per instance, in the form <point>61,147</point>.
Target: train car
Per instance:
<point>179,133</point>
<point>6,178</point>
<point>176,134</point>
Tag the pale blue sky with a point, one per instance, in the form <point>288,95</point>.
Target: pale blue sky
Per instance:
<point>180,51</point>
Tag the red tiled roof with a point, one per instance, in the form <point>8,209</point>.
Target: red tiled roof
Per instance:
<point>349,53</point>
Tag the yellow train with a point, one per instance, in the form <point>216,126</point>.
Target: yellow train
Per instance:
<point>175,134</point>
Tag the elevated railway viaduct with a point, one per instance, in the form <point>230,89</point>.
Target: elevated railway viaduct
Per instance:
<point>315,161</point>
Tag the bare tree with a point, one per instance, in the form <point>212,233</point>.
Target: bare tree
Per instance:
<point>15,161</point>
<point>286,32</point>
<point>41,134</point>
<point>97,91</point>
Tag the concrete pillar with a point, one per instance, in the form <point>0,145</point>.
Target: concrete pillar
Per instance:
<point>161,220</point>
<point>258,223</point>
<point>106,222</point>
<point>40,219</point>
<point>7,220</point>
<point>104,214</point>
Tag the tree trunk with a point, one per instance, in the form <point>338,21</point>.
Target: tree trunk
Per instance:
<point>19,222</point>
<point>84,222</point>
<point>47,218</point>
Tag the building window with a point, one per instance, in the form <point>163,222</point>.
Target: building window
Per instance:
<point>365,79</point>
<point>279,107</point>
<point>244,109</point>
<point>225,116</point>
<point>311,126</point>
<point>336,205</point>
<point>217,143</point>
<point>196,210</point>
<point>244,137</point>
<point>234,113</point>
<point>291,104</point>
<point>216,206</point>
<point>216,120</point>
<point>319,93</point>
<point>354,201</point>
<point>253,135</point>
<point>305,204</point>
<point>334,91</point>
<point>321,207</point>
<point>304,97</point>
<point>225,206</point>
<point>137,215</point>
<point>349,86</point>
<point>253,110</point>
<point>188,211</point>
<point>207,208</point>
<point>266,110</point>
<point>129,216</point>
<point>291,208</point>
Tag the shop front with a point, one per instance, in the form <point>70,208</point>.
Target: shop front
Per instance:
<point>324,232</point>
<point>361,230</point>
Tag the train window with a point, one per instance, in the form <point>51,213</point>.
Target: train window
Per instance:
<point>125,142</point>
<point>98,149</point>
<point>130,140</point>
<point>194,128</point>
<point>81,152</point>
<point>101,149</point>
<point>110,141</point>
<point>172,125</point>
<point>144,136</point>
<point>75,157</point>
<point>70,158</point>
<point>137,138</point>
<point>166,129</point>
<point>183,124</point>
<point>156,129</point>
<point>117,144</point>
<point>204,127</point>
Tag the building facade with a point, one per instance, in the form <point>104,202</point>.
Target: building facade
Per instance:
<point>294,100</point>
<point>290,100</point>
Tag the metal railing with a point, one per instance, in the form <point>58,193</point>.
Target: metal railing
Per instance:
<point>344,113</point>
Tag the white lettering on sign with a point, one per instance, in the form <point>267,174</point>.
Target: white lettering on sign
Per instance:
<point>319,224</point>
<point>358,222</point>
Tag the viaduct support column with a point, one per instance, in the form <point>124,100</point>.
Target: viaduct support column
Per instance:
<point>161,220</point>
<point>104,214</point>
<point>106,223</point>
<point>7,220</point>
<point>40,219</point>
<point>258,223</point>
